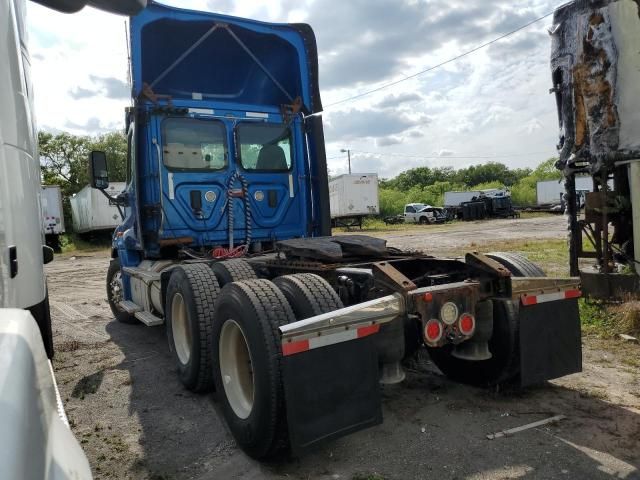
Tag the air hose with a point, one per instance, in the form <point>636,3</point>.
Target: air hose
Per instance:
<point>232,252</point>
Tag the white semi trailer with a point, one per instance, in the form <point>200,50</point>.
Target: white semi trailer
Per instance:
<point>353,197</point>
<point>52,215</point>
<point>35,441</point>
<point>91,210</point>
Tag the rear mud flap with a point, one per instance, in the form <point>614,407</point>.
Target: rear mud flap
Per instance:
<point>550,345</point>
<point>331,392</point>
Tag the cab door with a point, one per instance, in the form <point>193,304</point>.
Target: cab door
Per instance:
<point>271,160</point>
<point>193,175</point>
<point>409,214</point>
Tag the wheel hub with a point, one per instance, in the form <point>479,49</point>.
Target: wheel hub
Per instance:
<point>236,369</point>
<point>180,329</point>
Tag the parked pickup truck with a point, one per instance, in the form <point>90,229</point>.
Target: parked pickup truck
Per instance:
<point>423,214</point>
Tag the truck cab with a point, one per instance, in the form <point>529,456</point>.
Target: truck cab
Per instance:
<point>219,154</point>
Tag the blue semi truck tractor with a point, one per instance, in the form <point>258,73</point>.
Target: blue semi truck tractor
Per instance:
<point>226,241</point>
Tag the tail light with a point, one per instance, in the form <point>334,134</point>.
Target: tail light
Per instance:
<point>467,324</point>
<point>449,313</point>
<point>433,331</point>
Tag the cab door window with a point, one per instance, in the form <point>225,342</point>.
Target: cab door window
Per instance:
<point>264,147</point>
<point>194,144</point>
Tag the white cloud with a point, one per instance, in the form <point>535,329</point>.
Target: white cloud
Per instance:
<point>494,101</point>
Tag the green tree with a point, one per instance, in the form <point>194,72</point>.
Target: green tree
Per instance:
<point>114,144</point>
<point>64,161</point>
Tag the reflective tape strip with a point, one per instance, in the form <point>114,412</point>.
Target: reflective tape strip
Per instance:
<point>549,297</point>
<point>299,346</point>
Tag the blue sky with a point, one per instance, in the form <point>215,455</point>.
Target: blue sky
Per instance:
<point>493,103</point>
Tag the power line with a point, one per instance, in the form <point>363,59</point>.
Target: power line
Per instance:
<point>443,157</point>
<point>453,59</point>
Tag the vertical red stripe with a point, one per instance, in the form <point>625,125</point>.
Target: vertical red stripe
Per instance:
<point>291,348</point>
<point>529,299</point>
<point>366,331</point>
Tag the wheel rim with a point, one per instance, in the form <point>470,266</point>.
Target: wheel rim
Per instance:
<point>180,329</point>
<point>115,287</point>
<point>236,369</point>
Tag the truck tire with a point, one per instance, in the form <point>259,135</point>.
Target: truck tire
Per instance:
<point>308,294</point>
<point>191,295</point>
<point>115,293</point>
<point>424,221</point>
<point>233,270</point>
<point>504,365</point>
<point>247,354</point>
<point>518,265</point>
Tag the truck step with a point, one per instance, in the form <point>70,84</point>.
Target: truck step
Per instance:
<point>142,274</point>
<point>149,319</point>
<point>129,306</point>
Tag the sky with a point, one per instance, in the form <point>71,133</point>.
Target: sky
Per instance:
<point>491,105</point>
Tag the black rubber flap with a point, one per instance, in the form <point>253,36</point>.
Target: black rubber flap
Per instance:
<point>320,248</point>
<point>333,248</point>
<point>550,345</point>
<point>362,245</point>
<point>331,392</point>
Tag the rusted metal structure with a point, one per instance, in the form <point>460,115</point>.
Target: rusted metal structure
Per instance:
<point>595,63</point>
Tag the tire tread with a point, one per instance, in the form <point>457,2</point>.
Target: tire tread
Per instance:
<point>205,289</point>
<point>316,293</point>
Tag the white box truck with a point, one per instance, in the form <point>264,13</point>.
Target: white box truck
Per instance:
<point>52,215</point>
<point>549,192</point>
<point>353,197</point>
<point>454,199</point>
<point>91,210</point>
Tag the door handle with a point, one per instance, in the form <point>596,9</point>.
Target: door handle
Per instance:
<point>13,261</point>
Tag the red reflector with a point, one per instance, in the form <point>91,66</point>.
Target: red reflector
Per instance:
<point>295,347</point>
<point>366,331</point>
<point>427,297</point>
<point>433,331</point>
<point>467,324</point>
<point>572,294</point>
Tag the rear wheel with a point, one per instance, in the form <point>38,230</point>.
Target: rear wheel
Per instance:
<point>233,270</point>
<point>518,265</point>
<point>247,359</point>
<point>308,294</point>
<point>115,293</point>
<point>502,367</point>
<point>191,294</point>
<point>424,220</point>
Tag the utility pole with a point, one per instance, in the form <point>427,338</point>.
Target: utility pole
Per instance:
<point>348,152</point>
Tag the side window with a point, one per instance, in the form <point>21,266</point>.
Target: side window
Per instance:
<point>194,144</point>
<point>264,147</point>
<point>409,210</point>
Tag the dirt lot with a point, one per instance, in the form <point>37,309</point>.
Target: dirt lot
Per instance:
<point>135,420</point>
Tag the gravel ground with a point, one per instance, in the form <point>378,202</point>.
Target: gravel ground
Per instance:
<point>135,420</point>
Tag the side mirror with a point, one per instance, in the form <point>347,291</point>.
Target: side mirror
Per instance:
<point>98,171</point>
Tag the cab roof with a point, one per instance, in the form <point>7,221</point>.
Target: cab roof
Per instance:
<point>195,55</point>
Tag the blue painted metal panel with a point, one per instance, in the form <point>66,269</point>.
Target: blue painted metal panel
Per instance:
<point>219,68</point>
<point>240,72</point>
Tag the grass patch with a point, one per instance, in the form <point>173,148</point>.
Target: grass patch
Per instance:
<point>607,320</point>
<point>551,255</point>
<point>90,243</point>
